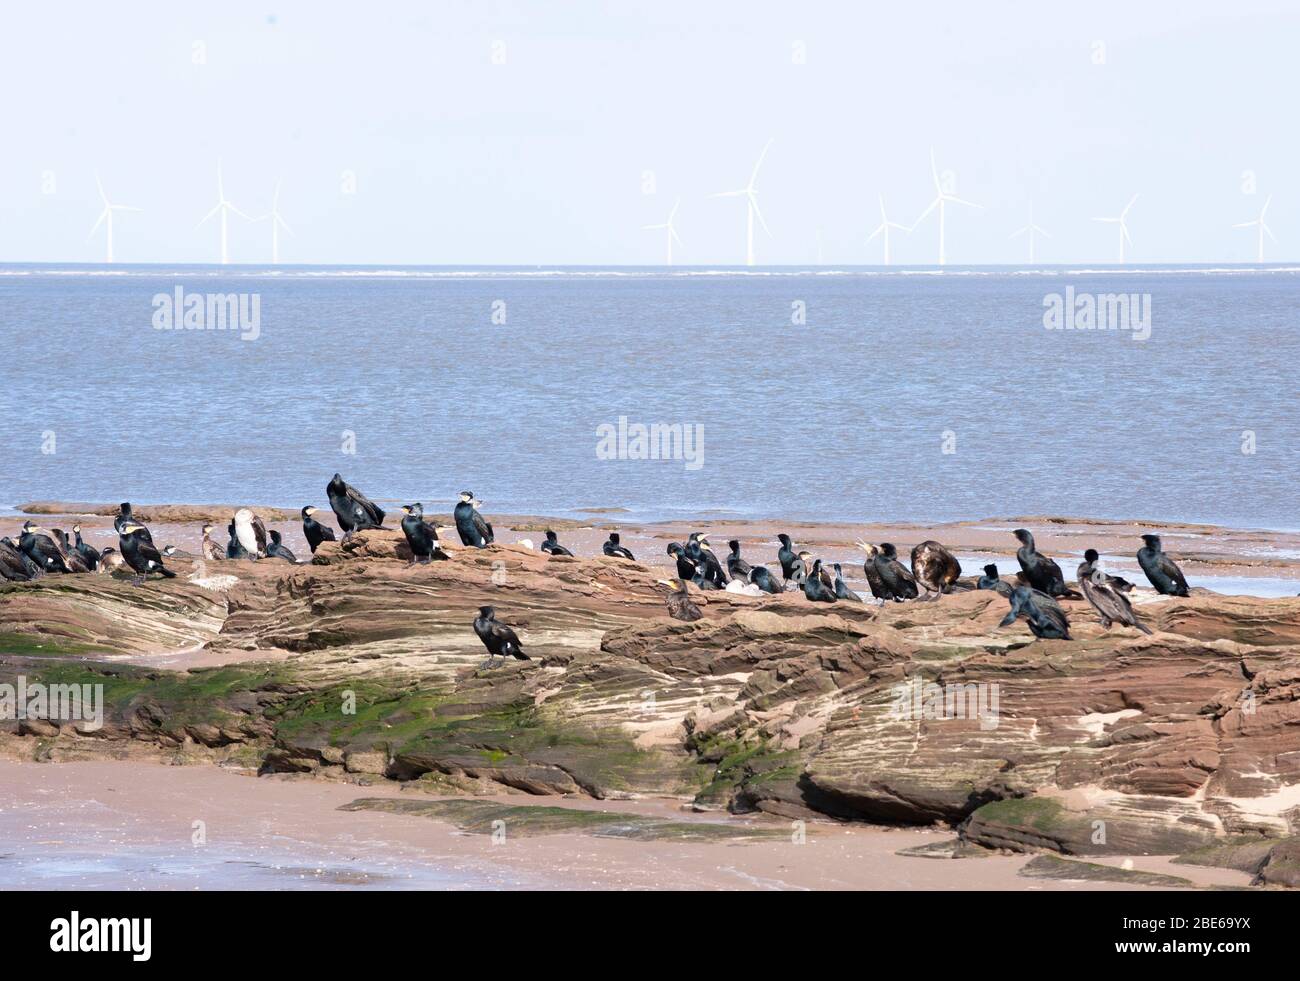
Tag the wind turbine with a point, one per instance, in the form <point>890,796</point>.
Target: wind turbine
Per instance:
<point>1123,227</point>
<point>225,207</point>
<point>1262,227</point>
<point>107,216</point>
<point>277,222</point>
<point>1033,230</point>
<point>672,232</point>
<point>884,227</point>
<point>751,197</point>
<point>941,200</point>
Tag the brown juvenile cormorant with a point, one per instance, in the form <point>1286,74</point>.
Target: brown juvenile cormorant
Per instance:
<point>935,569</point>
<point>16,565</point>
<point>1163,572</point>
<point>497,637</point>
<point>1111,605</point>
<point>110,560</point>
<point>680,604</point>
<point>211,550</point>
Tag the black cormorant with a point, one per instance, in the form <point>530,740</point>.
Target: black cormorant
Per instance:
<point>124,515</point>
<point>313,530</point>
<point>1111,605</point>
<point>991,580</point>
<point>842,590</point>
<point>1164,574</point>
<point>552,545</point>
<point>686,569</point>
<point>1045,621</point>
<point>278,550</point>
<point>471,527</point>
<point>497,637</point>
<point>140,553</point>
<point>354,510</point>
<point>704,557</point>
<point>895,581</point>
<point>42,549</point>
<point>1040,571</point>
<point>613,548</point>
<point>89,554</point>
<point>421,536</point>
<point>737,567</point>
<point>233,549</point>
<point>869,571</point>
<point>786,556</point>
<point>814,587</point>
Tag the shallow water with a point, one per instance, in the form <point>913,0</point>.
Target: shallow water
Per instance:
<point>844,417</point>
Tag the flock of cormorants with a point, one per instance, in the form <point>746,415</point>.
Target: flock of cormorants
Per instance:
<point>935,570</point>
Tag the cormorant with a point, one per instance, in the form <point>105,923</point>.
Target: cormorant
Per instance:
<point>89,554</point>
<point>1045,621</point>
<point>680,604</point>
<point>1111,605</point>
<point>895,581</point>
<point>935,569</point>
<point>798,571</point>
<point>613,548</point>
<point>42,549</point>
<point>276,550</point>
<point>869,571</point>
<point>814,587</point>
<point>16,565</point>
<point>1040,571</point>
<point>744,572</point>
<point>110,560</point>
<point>234,550</point>
<point>842,590</point>
<point>124,516</point>
<point>251,532</point>
<point>552,545</point>
<point>991,580</point>
<point>764,580</point>
<point>355,511</point>
<point>786,556</point>
<point>313,530</point>
<point>737,567</point>
<point>421,536</point>
<point>470,525</point>
<point>140,553</point>
<point>211,550</point>
<point>686,569</point>
<point>497,637</point>
<point>71,556</point>
<point>699,551</point>
<point>1164,574</point>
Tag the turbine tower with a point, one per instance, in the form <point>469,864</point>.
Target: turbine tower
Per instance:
<point>1259,222</point>
<point>750,194</point>
<point>225,207</point>
<point>941,200</point>
<point>106,216</point>
<point>672,232</point>
<point>277,222</point>
<point>884,227</point>
<point>1033,230</point>
<point>1123,227</point>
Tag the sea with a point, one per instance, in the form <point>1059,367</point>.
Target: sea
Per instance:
<point>1161,393</point>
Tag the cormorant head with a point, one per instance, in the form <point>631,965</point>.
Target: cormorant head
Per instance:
<point>991,570</point>
<point>734,545</point>
<point>1023,536</point>
<point>108,551</point>
<point>308,511</point>
<point>551,536</point>
<point>169,550</point>
<point>124,509</point>
<point>613,537</point>
<point>670,583</point>
<point>466,496</point>
<point>1152,541</point>
<point>337,479</point>
<point>28,527</point>
<point>675,548</point>
<point>76,529</point>
<point>416,509</point>
<point>207,527</point>
<point>487,612</point>
<point>130,527</point>
<point>1091,555</point>
<point>784,540</point>
<point>888,550</point>
<point>837,569</point>
<point>243,515</point>
<point>817,565</point>
<point>275,536</point>
<point>805,556</point>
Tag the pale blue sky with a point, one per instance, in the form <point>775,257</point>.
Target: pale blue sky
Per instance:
<point>540,160</point>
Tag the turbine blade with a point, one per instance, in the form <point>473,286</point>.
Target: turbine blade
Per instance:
<point>102,215</point>
<point>753,202</point>
<point>933,204</point>
<point>1124,229</point>
<point>673,234</point>
<point>730,194</point>
<point>754,176</point>
<point>209,214</point>
<point>282,223</point>
<point>1246,224</point>
<point>1041,232</point>
<point>879,228</point>
<point>238,212</point>
<point>102,196</point>
<point>673,214</point>
<point>969,204</point>
<point>1129,205</point>
<point>934,171</point>
<point>1021,232</point>
<point>1270,234</point>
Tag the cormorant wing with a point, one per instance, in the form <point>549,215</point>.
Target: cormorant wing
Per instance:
<point>259,533</point>
<point>372,510</point>
<point>1170,568</point>
<point>482,527</point>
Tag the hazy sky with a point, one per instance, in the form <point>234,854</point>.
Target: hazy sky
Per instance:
<point>459,159</point>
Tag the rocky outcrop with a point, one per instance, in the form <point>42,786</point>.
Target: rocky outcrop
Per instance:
<point>362,666</point>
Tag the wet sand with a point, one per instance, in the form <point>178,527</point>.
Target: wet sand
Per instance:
<point>130,825</point>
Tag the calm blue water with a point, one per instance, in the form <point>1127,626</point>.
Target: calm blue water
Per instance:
<point>843,417</point>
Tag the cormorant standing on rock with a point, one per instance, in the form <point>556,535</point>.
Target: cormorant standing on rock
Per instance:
<point>124,516</point>
<point>1047,622</point>
<point>613,548</point>
<point>798,571</point>
<point>234,550</point>
<point>471,527</point>
<point>42,549</point>
<point>552,545</point>
<point>354,510</point>
<point>140,553</point>
<point>814,587</point>
<point>786,556</point>
<point>895,581</point>
<point>704,556</point>
<point>686,569</point>
<point>1111,605</point>
<point>497,637</point>
<point>842,590</point>
<point>71,557</point>
<point>276,550</point>
<point>757,575</point>
<point>869,571</point>
<point>1164,574</point>
<point>764,580</point>
<point>89,554</point>
<point>991,580</point>
<point>210,550</point>
<point>935,569</point>
<point>737,567</point>
<point>313,530</point>
<point>421,536</point>
<point>1040,571</point>
<point>680,604</point>
<point>16,565</point>
<point>110,560</point>
<point>251,532</point>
